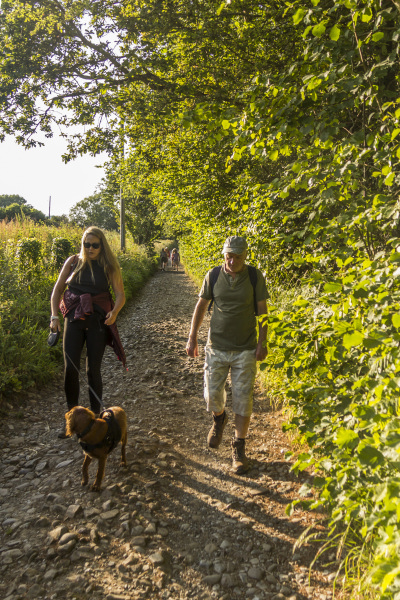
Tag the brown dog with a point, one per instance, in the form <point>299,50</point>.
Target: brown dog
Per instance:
<point>98,437</point>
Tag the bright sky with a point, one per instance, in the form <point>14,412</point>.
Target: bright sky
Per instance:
<point>39,173</point>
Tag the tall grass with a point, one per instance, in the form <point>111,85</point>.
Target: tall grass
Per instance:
<point>28,272</point>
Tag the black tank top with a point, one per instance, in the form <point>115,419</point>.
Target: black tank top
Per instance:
<point>86,284</point>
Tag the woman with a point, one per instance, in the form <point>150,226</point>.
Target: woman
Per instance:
<point>163,258</point>
<point>175,258</point>
<point>89,314</point>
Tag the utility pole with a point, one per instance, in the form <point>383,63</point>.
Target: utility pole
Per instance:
<point>122,218</point>
<point>121,194</point>
<point>49,206</point>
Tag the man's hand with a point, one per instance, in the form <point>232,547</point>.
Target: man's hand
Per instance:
<point>261,352</point>
<point>192,348</point>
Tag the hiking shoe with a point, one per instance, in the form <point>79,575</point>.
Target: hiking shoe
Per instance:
<point>240,462</point>
<point>214,437</point>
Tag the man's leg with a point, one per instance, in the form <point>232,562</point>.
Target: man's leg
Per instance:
<point>241,426</point>
<point>216,370</point>
<point>243,373</point>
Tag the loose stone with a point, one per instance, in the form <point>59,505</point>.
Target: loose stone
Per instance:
<point>109,515</point>
<point>256,573</point>
<point>73,511</point>
<point>156,558</point>
<point>67,537</point>
<point>212,579</point>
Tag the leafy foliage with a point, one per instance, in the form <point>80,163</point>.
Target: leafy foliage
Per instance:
<point>93,211</point>
<point>61,249</point>
<point>7,199</point>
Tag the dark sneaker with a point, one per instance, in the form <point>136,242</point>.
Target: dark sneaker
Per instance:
<point>214,437</point>
<point>240,462</point>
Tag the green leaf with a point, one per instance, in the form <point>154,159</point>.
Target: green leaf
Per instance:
<point>332,287</point>
<point>378,36</point>
<point>225,124</point>
<point>319,30</point>
<point>273,155</point>
<point>389,179</point>
<point>334,33</point>
<point>350,340</point>
<point>371,343</point>
<point>221,8</point>
<point>389,578</point>
<point>345,437</point>
<point>366,15</point>
<point>396,320</point>
<point>395,133</point>
<point>369,455</point>
<point>299,15</point>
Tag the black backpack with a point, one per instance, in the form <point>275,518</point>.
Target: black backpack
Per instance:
<point>253,280</point>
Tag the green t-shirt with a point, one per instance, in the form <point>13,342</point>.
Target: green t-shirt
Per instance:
<point>233,322</point>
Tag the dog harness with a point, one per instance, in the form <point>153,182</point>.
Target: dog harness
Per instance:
<point>112,437</point>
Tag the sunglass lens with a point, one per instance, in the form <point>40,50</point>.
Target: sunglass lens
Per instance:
<point>96,245</point>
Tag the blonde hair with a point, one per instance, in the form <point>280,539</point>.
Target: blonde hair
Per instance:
<point>106,258</point>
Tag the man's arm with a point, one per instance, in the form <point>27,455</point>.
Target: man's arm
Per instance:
<point>262,351</point>
<point>192,348</point>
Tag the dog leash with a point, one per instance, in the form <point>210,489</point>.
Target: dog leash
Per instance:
<point>90,387</point>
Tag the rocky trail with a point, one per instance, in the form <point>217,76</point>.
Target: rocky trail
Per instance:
<point>176,523</point>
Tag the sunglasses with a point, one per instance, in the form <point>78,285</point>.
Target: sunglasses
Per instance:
<point>95,245</point>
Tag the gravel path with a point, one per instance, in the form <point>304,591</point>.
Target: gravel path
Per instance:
<point>177,523</point>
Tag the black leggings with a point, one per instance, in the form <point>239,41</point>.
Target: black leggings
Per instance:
<point>92,331</point>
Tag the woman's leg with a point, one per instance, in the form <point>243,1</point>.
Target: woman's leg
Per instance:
<point>96,337</point>
<point>74,338</point>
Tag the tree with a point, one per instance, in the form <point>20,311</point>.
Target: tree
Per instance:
<point>7,199</point>
<point>100,60</point>
<point>57,220</point>
<point>93,211</point>
<point>141,215</point>
<point>16,210</point>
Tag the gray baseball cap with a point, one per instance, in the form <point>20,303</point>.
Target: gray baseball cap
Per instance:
<point>235,244</point>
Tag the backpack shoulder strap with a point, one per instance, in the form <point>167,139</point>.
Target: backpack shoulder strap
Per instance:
<point>213,279</point>
<point>74,262</point>
<point>72,267</point>
<point>253,280</point>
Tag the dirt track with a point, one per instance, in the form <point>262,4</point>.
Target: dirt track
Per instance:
<point>177,523</point>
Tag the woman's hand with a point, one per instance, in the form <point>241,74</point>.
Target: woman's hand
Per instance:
<point>110,318</point>
<point>55,324</point>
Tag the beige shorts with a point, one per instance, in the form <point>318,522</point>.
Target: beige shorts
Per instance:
<point>243,367</point>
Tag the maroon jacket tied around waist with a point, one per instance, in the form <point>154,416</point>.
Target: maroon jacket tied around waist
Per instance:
<point>82,305</point>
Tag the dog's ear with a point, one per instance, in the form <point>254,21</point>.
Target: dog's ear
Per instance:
<point>70,421</point>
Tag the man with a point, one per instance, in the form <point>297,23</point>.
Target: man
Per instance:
<point>232,344</point>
